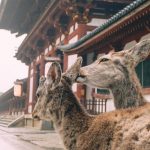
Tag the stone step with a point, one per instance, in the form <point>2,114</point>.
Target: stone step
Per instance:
<point>6,120</point>
<point>6,123</point>
<point>3,125</point>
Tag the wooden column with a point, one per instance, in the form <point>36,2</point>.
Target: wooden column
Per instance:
<point>42,65</point>
<point>81,89</point>
<point>31,102</point>
<point>28,88</point>
<point>65,56</point>
<point>34,85</point>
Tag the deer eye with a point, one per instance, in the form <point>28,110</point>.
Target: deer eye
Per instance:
<point>103,60</point>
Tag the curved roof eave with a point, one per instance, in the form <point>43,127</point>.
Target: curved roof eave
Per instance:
<point>73,46</point>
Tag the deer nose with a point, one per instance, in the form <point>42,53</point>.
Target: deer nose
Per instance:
<point>35,116</point>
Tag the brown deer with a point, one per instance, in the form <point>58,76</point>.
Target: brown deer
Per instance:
<point>127,129</point>
<point>116,71</point>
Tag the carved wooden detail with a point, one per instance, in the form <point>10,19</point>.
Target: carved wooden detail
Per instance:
<point>78,11</point>
<point>57,21</point>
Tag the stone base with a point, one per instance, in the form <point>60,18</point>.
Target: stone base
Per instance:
<point>39,124</point>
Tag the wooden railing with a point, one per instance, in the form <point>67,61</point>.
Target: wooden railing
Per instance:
<point>96,105</point>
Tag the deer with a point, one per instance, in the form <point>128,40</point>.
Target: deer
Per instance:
<point>116,71</point>
<point>124,129</point>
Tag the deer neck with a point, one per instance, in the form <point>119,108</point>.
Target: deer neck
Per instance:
<point>70,119</point>
<point>128,92</point>
<point>69,114</point>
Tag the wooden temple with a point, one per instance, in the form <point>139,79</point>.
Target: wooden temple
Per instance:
<point>11,104</point>
<point>122,31</point>
<point>84,28</point>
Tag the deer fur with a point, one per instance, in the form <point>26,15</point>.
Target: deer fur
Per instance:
<point>116,71</point>
<point>127,129</point>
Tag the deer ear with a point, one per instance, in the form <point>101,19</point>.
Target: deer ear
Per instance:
<point>53,75</point>
<point>139,52</point>
<point>73,72</point>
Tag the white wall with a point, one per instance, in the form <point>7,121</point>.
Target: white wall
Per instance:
<point>74,39</point>
<point>47,66</point>
<point>71,29</point>
<point>97,22</point>
<point>30,109</point>
<point>31,90</point>
<point>110,105</point>
<point>72,59</point>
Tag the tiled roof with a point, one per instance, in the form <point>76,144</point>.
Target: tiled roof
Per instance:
<point>109,22</point>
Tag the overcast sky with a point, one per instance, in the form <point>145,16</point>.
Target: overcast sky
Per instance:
<point>10,68</point>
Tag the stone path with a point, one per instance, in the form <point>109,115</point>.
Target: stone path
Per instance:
<point>49,140</point>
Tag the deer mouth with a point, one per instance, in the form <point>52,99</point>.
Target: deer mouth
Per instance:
<point>36,117</point>
<point>81,79</point>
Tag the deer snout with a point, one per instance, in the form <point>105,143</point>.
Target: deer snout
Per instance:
<point>82,76</point>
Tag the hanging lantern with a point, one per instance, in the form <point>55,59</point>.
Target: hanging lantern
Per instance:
<point>18,88</point>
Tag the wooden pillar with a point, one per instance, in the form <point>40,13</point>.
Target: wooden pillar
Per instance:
<point>42,65</point>
<point>27,94</point>
<point>10,106</point>
<point>31,87</point>
<point>65,56</point>
<point>34,85</point>
<point>81,89</point>
<point>82,30</point>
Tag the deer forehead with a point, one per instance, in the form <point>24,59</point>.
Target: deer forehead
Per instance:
<point>113,56</point>
<point>108,56</point>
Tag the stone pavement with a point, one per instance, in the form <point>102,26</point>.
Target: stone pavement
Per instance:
<point>47,139</point>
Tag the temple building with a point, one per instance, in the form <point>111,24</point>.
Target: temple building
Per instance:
<point>13,105</point>
<point>88,27</point>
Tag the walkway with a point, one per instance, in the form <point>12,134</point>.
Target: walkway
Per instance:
<point>29,139</point>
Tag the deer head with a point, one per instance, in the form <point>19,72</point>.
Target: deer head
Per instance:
<point>116,71</point>
<point>50,92</point>
<point>114,67</point>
